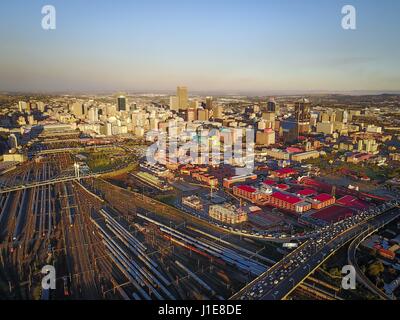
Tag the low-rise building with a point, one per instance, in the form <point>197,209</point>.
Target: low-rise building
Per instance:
<point>228,214</point>
<point>289,202</point>
<point>193,202</point>
<point>299,157</point>
<point>322,200</point>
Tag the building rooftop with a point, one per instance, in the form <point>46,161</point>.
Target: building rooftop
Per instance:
<point>282,186</point>
<point>306,192</point>
<point>247,188</point>
<point>322,197</point>
<point>286,171</point>
<point>286,197</point>
<point>269,182</point>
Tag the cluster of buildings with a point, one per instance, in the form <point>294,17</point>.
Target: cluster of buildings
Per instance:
<point>271,193</point>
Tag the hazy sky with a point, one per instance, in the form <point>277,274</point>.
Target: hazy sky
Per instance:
<point>213,45</point>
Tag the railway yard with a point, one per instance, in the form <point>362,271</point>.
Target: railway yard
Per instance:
<point>107,244</point>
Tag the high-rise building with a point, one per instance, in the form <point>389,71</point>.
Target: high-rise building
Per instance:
<point>209,103</point>
<point>341,116</point>
<point>194,104</point>
<point>174,104</point>
<point>289,130</point>
<point>182,94</point>
<point>121,103</point>
<point>325,127</point>
<point>265,137</point>
<point>77,109</point>
<point>190,115</point>
<point>303,115</point>
<point>271,105</point>
<point>203,115</point>
<point>13,141</point>
<point>40,106</point>
<point>93,114</point>
<point>22,106</point>
<point>269,118</point>
<point>218,112</point>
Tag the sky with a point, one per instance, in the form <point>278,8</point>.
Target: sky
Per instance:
<point>208,45</point>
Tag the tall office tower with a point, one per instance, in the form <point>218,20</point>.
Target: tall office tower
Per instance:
<point>288,130</point>
<point>121,103</point>
<point>209,103</point>
<point>218,112</point>
<point>22,106</point>
<point>93,114</point>
<point>269,118</point>
<point>261,125</point>
<point>154,124</point>
<point>341,116</point>
<point>265,137</point>
<point>195,104</point>
<point>13,141</point>
<point>328,116</point>
<point>271,105</point>
<point>77,109</point>
<point>174,104</point>
<point>182,94</point>
<point>40,106</point>
<point>190,114</point>
<point>203,115</point>
<point>303,115</point>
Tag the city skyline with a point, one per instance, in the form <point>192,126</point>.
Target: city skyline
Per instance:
<point>211,47</point>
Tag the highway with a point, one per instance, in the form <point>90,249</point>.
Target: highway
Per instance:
<point>352,260</point>
<point>282,278</point>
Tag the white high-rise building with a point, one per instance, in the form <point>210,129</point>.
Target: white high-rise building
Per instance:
<point>22,106</point>
<point>93,114</point>
<point>13,141</point>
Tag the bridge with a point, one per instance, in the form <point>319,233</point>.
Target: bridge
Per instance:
<point>351,258</point>
<point>284,277</point>
<point>46,182</point>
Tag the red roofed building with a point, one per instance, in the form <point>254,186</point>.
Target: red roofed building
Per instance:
<point>306,193</point>
<point>269,182</point>
<point>284,173</point>
<point>352,202</point>
<point>246,192</point>
<point>322,200</point>
<point>283,187</point>
<point>293,150</point>
<point>289,202</point>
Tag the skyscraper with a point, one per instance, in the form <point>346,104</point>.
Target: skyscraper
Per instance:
<point>77,109</point>
<point>182,94</point>
<point>121,103</point>
<point>190,114</point>
<point>271,105</point>
<point>303,115</point>
<point>203,114</point>
<point>209,103</point>
<point>174,104</point>
<point>218,112</point>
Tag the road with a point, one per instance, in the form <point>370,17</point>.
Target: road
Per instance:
<point>351,256</point>
<point>281,279</point>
